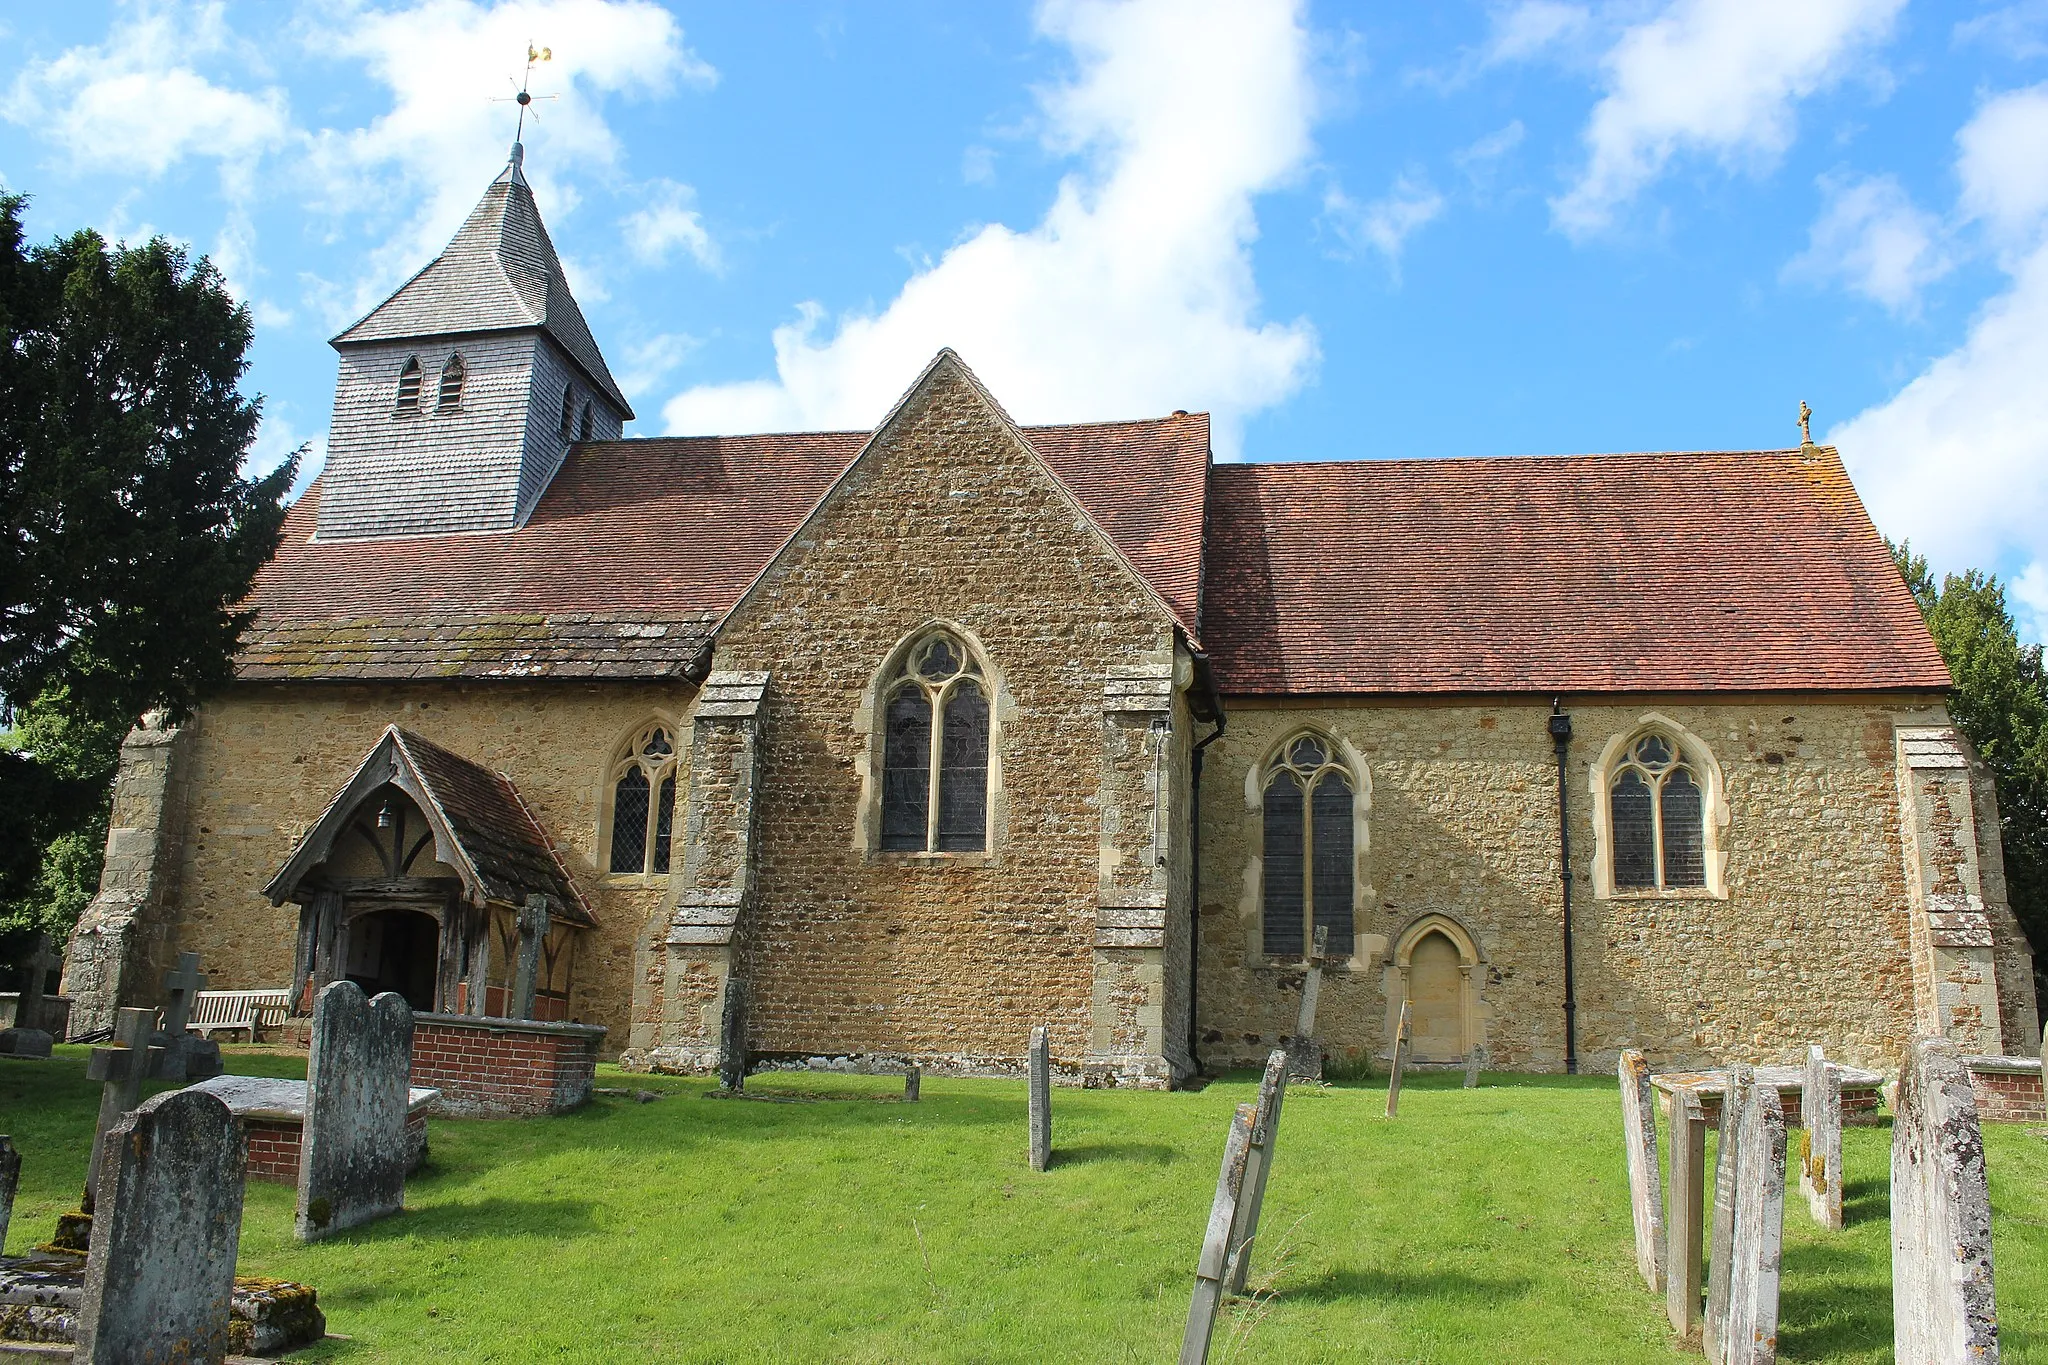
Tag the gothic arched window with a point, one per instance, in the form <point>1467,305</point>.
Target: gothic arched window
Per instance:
<point>568,410</point>
<point>644,803</point>
<point>935,739</point>
<point>452,375</point>
<point>409,385</point>
<point>1308,852</point>
<point>1657,817</point>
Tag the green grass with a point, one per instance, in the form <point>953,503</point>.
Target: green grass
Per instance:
<point>1488,1225</point>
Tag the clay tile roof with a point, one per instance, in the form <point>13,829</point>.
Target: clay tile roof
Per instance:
<point>1657,572</point>
<point>639,546</point>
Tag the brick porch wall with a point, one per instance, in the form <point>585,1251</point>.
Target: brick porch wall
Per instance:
<point>504,1068</point>
<point>2008,1089</point>
<point>274,1147</point>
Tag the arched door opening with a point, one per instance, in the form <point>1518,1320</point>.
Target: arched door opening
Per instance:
<point>1436,1000</point>
<point>396,950</point>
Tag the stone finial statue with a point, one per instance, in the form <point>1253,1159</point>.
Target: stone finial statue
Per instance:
<point>1805,429</point>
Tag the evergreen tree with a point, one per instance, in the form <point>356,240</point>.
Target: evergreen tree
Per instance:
<point>127,532</point>
<point>2001,702</point>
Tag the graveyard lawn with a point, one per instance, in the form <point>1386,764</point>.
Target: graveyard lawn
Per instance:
<point>1489,1225</point>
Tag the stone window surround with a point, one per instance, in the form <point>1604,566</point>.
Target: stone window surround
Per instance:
<point>868,726</point>
<point>1691,750</point>
<point>1364,946</point>
<point>1471,966</point>
<point>625,751</point>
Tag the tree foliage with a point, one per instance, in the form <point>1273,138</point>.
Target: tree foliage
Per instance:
<point>2001,702</point>
<point>127,532</point>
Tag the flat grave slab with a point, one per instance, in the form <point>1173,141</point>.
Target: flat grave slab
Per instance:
<point>1862,1091</point>
<point>273,1112</point>
<point>41,1295</point>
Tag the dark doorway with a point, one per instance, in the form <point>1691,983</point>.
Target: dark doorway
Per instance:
<point>396,950</point>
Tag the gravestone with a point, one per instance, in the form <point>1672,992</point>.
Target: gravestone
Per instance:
<point>1304,1050</point>
<point>1639,1137</point>
<point>185,1055</point>
<point>913,1080</point>
<point>732,1037</point>
<point>1400,1060</point>
<point>119,1070</point>
<point>1820,1145</point>
<point>353,1153</point>
<point>1257,1168</point>
<point>28,1037</point>
<point>10,1179</point>
<point>1742,1311</point>
<point>1685,1193</point>
<point>1943,1308</point>
<point>533,933</point>
<point>1214,1262</point>
<point>161,1271</point>
<point>1474,1059</point>
<point>1038,1106</point>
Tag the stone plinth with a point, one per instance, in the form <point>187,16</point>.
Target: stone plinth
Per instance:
<point>504,1068</point>
<point>40,1297</point>
<point>1862,1091</point>
<point>273,1114</point>
<point>2008,1089</point>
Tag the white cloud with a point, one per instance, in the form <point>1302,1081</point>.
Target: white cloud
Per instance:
<point>1872,238</point>
<point>2003,163</point>
<point>135,103</point>
<point>1529,29</point>
<point>1720,77</point>
<point>667,222</point>
<point>653,360</point>
<point>1386,223</point>
<point>1135,293</point>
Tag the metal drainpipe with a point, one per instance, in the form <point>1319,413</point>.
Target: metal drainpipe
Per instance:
<point>1561,737</point>
<point>1195,866</point>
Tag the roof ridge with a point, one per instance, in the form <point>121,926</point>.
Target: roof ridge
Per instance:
<point>1555,458</point>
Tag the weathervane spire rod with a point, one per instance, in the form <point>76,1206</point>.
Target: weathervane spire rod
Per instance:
<point>524,98</point>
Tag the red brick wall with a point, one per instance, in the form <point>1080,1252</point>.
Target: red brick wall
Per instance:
<point>274,1146</point>
<point>2009,1096</point>
<point>498,1069</point>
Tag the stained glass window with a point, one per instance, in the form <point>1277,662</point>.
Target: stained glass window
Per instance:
<point>1281,865</point>
<point>1685,862</point>
<point>1657,819</point>
<point>907,770</point>
<point>1635,836</point>
<point>1309,860</point>
<point>644,804</point>
<point>936,737</point>
<point>629,821</point>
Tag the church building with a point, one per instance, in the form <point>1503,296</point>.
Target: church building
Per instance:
<point>898,743</point>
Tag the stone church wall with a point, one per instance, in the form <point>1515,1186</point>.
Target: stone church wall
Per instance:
<point>1812,942</point>
<point>262,762</point>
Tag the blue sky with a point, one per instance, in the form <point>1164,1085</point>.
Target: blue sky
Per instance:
<point>1348,231</point>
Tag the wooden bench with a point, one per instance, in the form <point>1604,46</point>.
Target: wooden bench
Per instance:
<point>246,1010</point>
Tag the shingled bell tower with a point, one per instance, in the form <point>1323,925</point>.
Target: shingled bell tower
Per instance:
<point>461,394</point>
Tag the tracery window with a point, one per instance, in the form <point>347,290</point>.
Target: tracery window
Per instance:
<point>935,740</point>
<point>409,385</point>
<point>1307,857</point>
<point>644,803</point>
<point>452,375</point>
<point>1656,818</point>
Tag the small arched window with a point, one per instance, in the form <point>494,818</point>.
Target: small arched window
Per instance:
<point>1307,859</point>
<point>583,427</point>
<point>568,410</point>
<point>644,803</point>
<point>452,375</point>
<point>1657,815</point>
<point>409,385</point>
<point>935,739</point>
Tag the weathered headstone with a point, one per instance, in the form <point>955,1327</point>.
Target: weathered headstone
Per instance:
<point>1304,1049</point>
<point>185,1055</point>
<point>10,1179</point>
<point>1734,1100</point>
<point>1742,1312</point>
<point>1214,1262</point>
<point>1474,1060</point>
<point>913,1080</point>
<point>162,1266</point>
<point>1258,1166</point>
<point>1943,1309</point>
<point>1639,1137</point>
<point>533,933</point>
<point>1685,1196</point>
<point>28,1037</point>
<point>1038,1105</point>
<point>732,1037</point>
<point>1820,1145</point>
<point>353,1155</point>
<point>1400,1061</point>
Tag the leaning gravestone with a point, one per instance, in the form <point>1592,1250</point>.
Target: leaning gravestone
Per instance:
<point>1820,1146</point>
<point>161,1271</point>
<point>1216,1249</point>
<point>10,1178</point>
<point>353,1155</point>
<point>1639,1136</point>
<point>28,1037</point>
<point>1742,1309</point>
<point>1304,1050</point>
<point>1038,1105</point>
<point>1258,1166</point>
<point>1943,1309</point>
<point>1400,1061</point>
<point>1686,1193</point>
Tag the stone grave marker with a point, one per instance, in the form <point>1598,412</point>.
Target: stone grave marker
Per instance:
<point>119,1070</point>
<point>1639,1137</point>
<point>1820,1145</point>
<point>10,1180</point>
<point>732,1037</point>
<point>1742,1311</point>
<point>1943,1309</point>
<point>161,1271</point>
<point>913,1080</point>
<point>1685,1196</point>
<point>1214,1262</point>
<point>1400,1060</point>
<point>353,1153</point>
<point>185,1055</point>
<point>1304,1050</point>
<point>1474,1060</point>
<point>533,933</point>
<point>27,1037</point>
<point>1735,1099</point>
<point>1038,1107</point>
<point>1258,1166</point>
